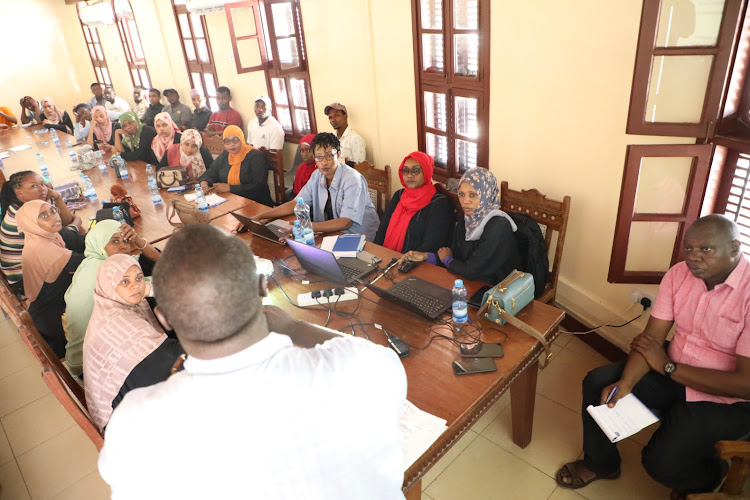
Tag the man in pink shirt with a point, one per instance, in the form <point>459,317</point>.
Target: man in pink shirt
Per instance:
<point>699,383</point>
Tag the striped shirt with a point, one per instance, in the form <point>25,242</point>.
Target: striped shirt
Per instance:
<point>222,119</point>
<point>11,245</point>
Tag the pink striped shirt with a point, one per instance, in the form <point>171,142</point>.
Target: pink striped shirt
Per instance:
<point>713,327</point>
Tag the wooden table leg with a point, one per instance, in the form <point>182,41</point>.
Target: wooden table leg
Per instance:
<point>522,397</point>
<point>415,492</point>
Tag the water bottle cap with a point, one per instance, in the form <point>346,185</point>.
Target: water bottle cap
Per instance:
<point>296,223</point>
<point>459,283</point>
<point>300,200</point>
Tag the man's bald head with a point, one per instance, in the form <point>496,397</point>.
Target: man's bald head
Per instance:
<point>206,284</point>
<point>723,227</point>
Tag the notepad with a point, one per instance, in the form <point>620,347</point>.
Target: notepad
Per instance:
<point>628,417</point>
<point>20,148</point>
<point>348,245</point>
<point>212,199</point>
<point>419,430</point>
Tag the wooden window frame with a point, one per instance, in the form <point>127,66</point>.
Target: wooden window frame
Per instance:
<point>123,29</point>
<point>451,85</point>
<point>91,45</point>
<point>202,68</point>
<point>626,214</point>
<point>255,5</point>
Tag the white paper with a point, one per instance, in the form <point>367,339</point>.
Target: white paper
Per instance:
<point>328,243</point>
<point>212,199</point>
<point>628,417</point>
<point>20,148</point>
<point>419,430</point>
<point>4,155</point>
<point>190,197</point>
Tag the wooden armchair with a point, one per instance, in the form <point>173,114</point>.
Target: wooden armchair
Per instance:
<point>739,470</point>
<point>552,216</point>
<point>215,144</point>
<point>276,174</point>
<point>378,183</point>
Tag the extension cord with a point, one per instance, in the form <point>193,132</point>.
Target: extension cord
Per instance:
<point>306,299</point>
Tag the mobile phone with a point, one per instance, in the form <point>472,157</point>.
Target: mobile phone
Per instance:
<point>474,365</point>
<point>482,350</point>
<point>476,299</point>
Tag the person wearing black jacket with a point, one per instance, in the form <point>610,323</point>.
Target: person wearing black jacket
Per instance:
<point>52,117</point>
<point>133,140</point>
<point>155,107</point>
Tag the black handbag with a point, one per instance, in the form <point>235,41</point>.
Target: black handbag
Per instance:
<point>106,212</point>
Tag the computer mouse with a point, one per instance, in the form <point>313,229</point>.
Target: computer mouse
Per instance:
<point>407,265</point>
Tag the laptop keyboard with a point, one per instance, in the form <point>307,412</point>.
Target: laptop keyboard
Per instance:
<point>428,305</point>
<point>349,272</point>
<point>277,231</point>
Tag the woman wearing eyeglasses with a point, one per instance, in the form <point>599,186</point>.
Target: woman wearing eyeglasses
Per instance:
<point>337,194</point>
<point>418,217</point>
<point>51,254</point>
<point>241,169</point>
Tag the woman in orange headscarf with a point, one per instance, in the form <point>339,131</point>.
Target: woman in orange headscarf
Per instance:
<point>241,169</point>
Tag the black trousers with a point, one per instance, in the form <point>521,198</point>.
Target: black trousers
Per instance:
<point>681,454</point>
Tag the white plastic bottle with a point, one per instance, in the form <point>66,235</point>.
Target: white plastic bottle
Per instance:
<point>460,311</point>
<point>302,212</point>
<point>200,199</point>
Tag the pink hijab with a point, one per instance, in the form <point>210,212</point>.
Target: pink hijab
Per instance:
<point>118,338</point>
<point>101,132</point>
<point>161,144</point>
<point>44,254</point>
<point>54,117</point>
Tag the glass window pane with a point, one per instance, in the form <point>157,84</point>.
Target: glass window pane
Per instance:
<point>677,88</point>
<point>249,52</point>
<point>185,26</point>
<point>213,104</point>
<point>437,147</point>
<point>284,118</point>
<point>122,7</point>
<point>197,23</point>
<point>288,56</point>
<point>190,50</point>
<point>689,24</point>
<point>179,2</point>
<point>466,117</point>
<point>136,77</point>
<point>197,81</point>
<point>738,202</point>
<point>279,91</point>
<point>432,52</point>
<point>466,14</point>
<point>86,33</point>
<point>299,92</point>
<point>135,40</point>
<point>243,20</point>
<point>432,14</point>
<point>94,35</point>
<point>435,111</point>
<point>202,50</point>
<point>283,21</point>
<point>144,79</point>
<point>466,155</point>
<point>303,120</point>
<point>662,185</point>
<point>466,54</point>
<point>93,53</point>
<point>650,246</point>
<point>210,84</point>
<point>105,72</point>
<point>99,53</point>
<point>99,75</point>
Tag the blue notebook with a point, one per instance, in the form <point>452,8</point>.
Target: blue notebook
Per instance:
<point>348,245</point>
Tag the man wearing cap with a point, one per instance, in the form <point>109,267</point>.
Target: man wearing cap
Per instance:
<point>201,115</point>
<point>154,107</point>
<point>352,144</point>
<point>179,112</point>
<point>115,105</point>
<point>225,116</point>
<point>141,104</point>
<point>265,130</point>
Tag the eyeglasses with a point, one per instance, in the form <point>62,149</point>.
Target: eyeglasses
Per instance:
<point>231,140</point>
<point>328,157</point>
<point>411,171</point>
<point>47,215</point>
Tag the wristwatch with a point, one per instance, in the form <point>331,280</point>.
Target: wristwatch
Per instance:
<point>669,369</point>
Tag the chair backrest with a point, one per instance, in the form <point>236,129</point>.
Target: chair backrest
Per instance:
<point>276,174</point>
<point>9,301</point>
<point>552,216</point>
<point>452,197</point>
<point>215,144</point>
<point>378,184</point>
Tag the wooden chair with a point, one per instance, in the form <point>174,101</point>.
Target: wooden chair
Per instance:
<point>739,470</point>
<point>452,198</point>
<point>276,174</point>
<point>378,183</point>
<point>215,144</point>
<point>550,215</point>
<point>10,302</point>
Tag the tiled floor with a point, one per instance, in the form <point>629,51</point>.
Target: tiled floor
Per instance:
<point>43,453</point>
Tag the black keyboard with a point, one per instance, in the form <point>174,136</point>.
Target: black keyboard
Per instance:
<point>349,272</point>
<point>280,233</point>
<point>431,306</point>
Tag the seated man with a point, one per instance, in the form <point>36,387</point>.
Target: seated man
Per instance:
<point>141,105</point>
<point>265,131</point>
<point>226,115</point>
<point>115,105</point>
<point>336,193</point>
<point>155,107</point>
<point>31,110</point>
<point>83,122</point>
<point>179,112</point>
<point>98,99</point>
<point>201,115</point>
<point>7,118</point>
<point>252,415</point>
<point>352,144</point>
<point>700,382</point>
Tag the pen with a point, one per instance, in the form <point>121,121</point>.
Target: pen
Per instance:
<point>611,395</point>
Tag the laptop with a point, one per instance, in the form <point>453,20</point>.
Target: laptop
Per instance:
<point>323,263</point>
<point>416,295</point>
<point>268,232</point>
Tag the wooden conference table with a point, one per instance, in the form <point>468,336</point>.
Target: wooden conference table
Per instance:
<point>432,386</point>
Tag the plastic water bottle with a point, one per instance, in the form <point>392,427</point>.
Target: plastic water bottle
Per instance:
<point>302,212</point>
<point>460,312</point>
<point>123,169</point>
<point>297,232</point>
<point>100,162</point>
<point>68,144</point>
<point>55,139</point>
<point>200,199</point>
<point>73,160</point>
<point>117,215</point>
<point>43,168</point>
<point>152,186</point>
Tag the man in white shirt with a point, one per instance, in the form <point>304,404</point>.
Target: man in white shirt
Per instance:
<point>352,144</point>
<point>115,105</point>
<point>141,104</point>
<point>265,130</point>
<point>251,415</point>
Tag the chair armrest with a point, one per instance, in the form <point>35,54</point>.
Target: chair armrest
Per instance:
<point>730,449</point>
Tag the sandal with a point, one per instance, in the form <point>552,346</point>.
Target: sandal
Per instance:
<point>576,482</point>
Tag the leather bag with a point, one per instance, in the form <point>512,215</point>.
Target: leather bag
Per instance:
<point>189,213</point>
<point>167,177</point>
<point>502,302</point>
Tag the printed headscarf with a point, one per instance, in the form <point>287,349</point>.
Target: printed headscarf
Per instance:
<point>485,184</point>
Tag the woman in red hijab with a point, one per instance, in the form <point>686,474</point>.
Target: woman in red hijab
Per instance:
<point>418,217</point>
<point>307,167</point>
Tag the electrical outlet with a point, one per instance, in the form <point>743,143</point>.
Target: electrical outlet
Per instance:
<point>637,294</point>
